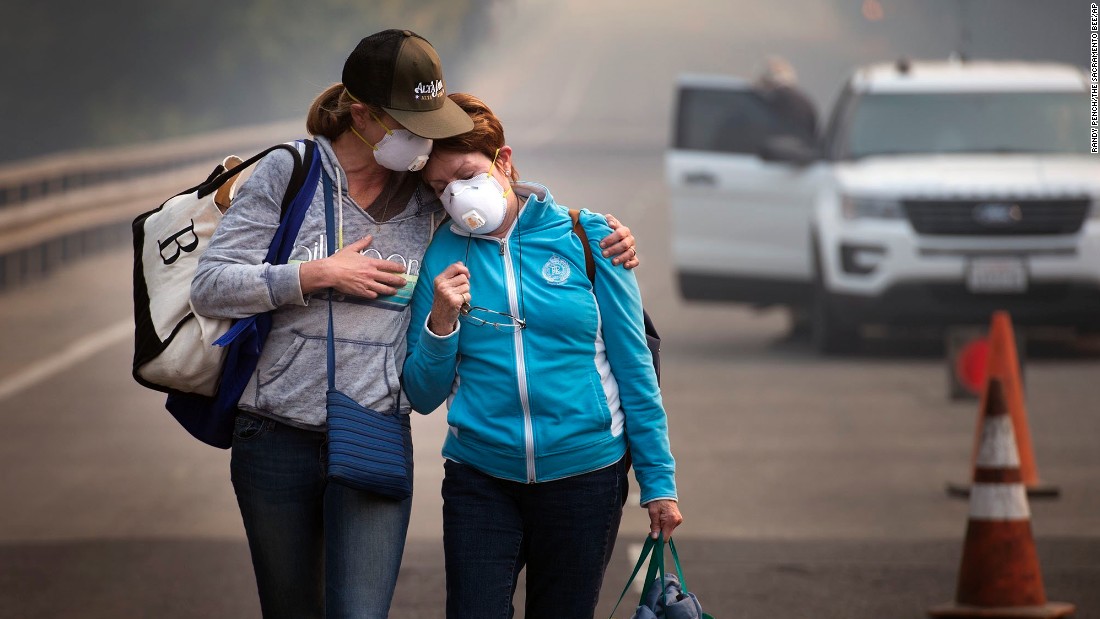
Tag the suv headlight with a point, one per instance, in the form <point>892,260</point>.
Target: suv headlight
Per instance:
<point>852,207</point>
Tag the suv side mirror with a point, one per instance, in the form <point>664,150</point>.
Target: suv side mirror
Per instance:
<point>788,149</point>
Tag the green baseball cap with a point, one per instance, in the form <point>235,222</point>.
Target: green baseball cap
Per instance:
<point>399,71</point>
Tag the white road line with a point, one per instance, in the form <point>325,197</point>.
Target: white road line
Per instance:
<point>633,551</point>
<point>75,353</point>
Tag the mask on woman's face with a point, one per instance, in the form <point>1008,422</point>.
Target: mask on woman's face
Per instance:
<point>478,205</point>
<point>400,150</point>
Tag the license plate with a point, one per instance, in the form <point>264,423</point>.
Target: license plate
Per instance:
<point>997,275</point>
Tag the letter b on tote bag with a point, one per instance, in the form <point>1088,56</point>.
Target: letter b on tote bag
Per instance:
<point>200,362</point>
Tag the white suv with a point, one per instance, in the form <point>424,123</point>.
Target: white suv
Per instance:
<point>938,193</point>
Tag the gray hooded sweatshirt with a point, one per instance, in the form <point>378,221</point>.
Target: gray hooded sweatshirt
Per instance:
<point>232,281</point>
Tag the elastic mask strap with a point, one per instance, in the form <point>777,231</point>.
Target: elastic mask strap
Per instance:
<point>490,172</point>
<point>357,134</point>
<point>372,146</point>
<point>379,121</point>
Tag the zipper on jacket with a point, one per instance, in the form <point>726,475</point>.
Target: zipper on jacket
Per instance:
<point>521,365</point>
<point>517,342</point>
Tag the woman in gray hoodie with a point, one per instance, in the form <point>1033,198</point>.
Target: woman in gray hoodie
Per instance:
<point>319,548</point>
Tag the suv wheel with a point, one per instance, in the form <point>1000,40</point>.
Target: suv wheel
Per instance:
<point>828,333</point>
<point>801,321</point>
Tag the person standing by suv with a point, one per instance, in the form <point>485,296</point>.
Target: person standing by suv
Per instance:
<point>777,84</point>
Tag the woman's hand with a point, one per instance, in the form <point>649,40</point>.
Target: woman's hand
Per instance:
<point>620,244</point>
<point>664,517</point>
<point>352,273</point>
<point>452,291</point>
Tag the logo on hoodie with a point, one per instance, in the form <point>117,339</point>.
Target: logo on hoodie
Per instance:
<point>556,270</point>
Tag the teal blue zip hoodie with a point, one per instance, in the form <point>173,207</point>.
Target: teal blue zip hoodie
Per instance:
<point>568,393</point>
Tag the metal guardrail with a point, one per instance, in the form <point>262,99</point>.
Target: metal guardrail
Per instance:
<point>34,179</point>
<point>63,207</point>
<point>42,183</point>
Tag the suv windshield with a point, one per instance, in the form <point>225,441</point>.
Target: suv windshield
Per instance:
<point>997,122</point>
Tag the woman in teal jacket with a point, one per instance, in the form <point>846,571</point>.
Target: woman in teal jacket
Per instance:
<point>548,381</point>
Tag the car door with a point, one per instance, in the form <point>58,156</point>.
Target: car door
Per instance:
<point>740,224</point>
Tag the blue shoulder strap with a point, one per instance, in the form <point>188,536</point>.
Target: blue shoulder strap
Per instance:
<point>299,193</point>
<point>330,232</point>
<point>295,213</point>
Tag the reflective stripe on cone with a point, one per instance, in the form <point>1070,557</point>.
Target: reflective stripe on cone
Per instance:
<point>999,575</point>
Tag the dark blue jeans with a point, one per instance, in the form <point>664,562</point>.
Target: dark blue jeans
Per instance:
<point>563,532</point>
<point>319,549</point>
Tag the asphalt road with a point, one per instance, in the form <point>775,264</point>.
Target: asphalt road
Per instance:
<point>810,487</point>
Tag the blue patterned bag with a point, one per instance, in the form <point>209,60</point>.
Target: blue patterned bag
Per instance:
<point>367,450</point>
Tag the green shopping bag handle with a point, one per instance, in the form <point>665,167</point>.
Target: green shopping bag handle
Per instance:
<point>679,571</point>
<point>647,548</point>
<point>656,565</point>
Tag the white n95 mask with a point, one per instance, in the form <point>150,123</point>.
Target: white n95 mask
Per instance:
<point>400,150</point>
<point>403,150</point>
<point>477,205</point>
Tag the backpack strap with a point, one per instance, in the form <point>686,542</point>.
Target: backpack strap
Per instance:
<point>653,340</point>
<point>282,243</point>
<point>578,229</point>
<point>296,200</point>
<point>303,163</point>
<point>212,184</point>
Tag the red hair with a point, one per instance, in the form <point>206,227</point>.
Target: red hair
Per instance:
<point>486,137</point>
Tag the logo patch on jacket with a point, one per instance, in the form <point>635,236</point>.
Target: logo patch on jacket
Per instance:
<point>556,270</point>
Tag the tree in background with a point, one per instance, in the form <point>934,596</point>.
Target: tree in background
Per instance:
<point>123,71</point>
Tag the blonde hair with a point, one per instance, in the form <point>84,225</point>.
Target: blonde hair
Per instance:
<point>330,113</point>
<point>778,71</point>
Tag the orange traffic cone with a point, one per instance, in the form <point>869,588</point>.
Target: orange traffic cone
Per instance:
<point>999,575</point>
<point>1004,366</point>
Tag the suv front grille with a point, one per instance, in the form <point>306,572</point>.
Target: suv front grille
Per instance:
<point>997,217</point>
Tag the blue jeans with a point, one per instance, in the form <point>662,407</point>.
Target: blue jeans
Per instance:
<point>319,549</point>
<point>563,532</point>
